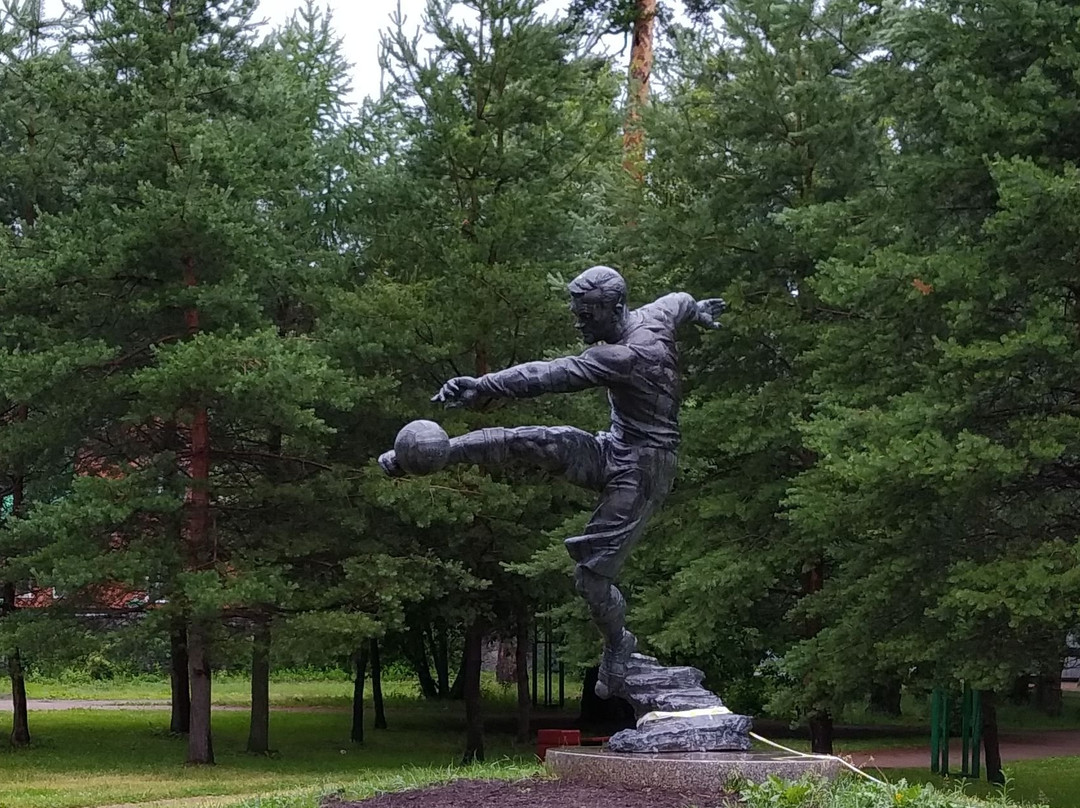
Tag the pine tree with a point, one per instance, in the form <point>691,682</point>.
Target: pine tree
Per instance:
<point>485,169</point>
<point>35,139</point>
<point>753,126</point>
<point>946,409</point>
<point>185,242</point>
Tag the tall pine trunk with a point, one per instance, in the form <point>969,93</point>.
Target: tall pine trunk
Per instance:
<point>361,659</point>
<point>474,719</point>
<point>821,720</point>
<point>376,686</point>
<point>199,554</point>
<point>521,673</point>
<point>179,679</point>
<point>259,732</point>
<point>20,713</point>
<point>200,741</point>
<point>20,718</point>
<point>641,63</point>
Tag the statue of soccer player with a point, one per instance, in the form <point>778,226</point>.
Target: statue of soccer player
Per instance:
<point>633,354</point>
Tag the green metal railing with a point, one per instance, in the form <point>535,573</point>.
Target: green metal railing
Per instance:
<point>941,705</point>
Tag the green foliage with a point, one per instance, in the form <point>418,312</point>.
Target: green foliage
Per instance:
<point>483,172</point>
<point>856,792</point>
<point>880,467</point>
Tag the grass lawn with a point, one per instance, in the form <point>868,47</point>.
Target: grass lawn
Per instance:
<point>1053,781</point>
<point>101,757</point>
<point>105,757</point>
<point>228,690</point>
<point>285,690</point>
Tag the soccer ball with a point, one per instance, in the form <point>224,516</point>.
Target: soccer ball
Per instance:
<point>422,447</point>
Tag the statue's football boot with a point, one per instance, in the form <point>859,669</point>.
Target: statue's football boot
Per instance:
<point>611,678</point>
<point>388,463</point>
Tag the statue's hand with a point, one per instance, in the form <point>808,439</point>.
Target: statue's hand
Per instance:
<point>708,311</point>
<point>459,392</point>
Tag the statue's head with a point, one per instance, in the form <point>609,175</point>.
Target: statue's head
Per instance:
<point>598,301</point>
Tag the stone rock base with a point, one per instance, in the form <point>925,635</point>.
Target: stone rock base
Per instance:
<point>675,713</point>
<point>702,772</point>
<point>701,733</point>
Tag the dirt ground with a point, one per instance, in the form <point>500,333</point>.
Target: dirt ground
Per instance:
<point>535,794</point>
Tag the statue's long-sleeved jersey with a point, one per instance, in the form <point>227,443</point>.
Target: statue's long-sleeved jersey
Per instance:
<point>640,372</point>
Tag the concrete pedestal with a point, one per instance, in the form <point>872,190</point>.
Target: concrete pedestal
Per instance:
<point>679,771</point>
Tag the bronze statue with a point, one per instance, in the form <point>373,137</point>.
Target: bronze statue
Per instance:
<point>633,354</point>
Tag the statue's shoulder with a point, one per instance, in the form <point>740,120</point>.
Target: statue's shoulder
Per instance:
<point>614,355</point>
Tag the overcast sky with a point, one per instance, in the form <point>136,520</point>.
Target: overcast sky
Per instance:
<point>358,23</point>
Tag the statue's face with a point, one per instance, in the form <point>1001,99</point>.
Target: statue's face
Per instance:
<point>596,320</point>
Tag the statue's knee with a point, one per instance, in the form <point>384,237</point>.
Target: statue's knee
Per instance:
<point>594,588</point>
<point>579,579</point>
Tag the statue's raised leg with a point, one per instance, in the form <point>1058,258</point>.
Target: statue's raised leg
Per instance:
<point>565,450</point>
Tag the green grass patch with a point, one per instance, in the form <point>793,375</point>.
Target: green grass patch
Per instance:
<point>102,757</point>
<point>851,791</point>
<point>229,690</point>
<point>1054,782</point>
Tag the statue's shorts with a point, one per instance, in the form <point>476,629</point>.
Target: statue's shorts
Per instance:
<point>633,481</point>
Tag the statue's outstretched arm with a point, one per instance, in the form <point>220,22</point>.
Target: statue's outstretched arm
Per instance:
<point>596,367</point>
<point>682,308</point>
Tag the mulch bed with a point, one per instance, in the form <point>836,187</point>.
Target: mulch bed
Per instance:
<point>535,794</point>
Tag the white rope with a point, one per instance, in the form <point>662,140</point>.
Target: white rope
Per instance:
<point>843,762</point>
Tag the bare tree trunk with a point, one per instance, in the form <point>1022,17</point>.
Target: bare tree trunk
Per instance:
<point>361,659</point>
<point>1048,696</point>
<point>641,63</point>
<point>821,733</point>
<point>506,662</point>
<point>991,745</point>
<point>417,651</point>
<point>20,714</point>
<point>20,718</point>
<point>179,680</point>
<point>200,742</point>
<point>1020,693</point>
<point>376,686</point>
<point>440,651</point>
<point>885,697</point>
<point>259,731</point>
<point>457,689</point>
<point>521,672</point>
<point>474,719</point>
